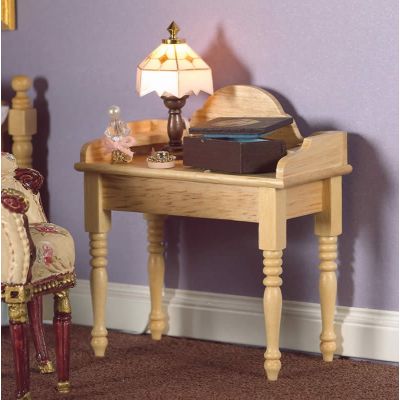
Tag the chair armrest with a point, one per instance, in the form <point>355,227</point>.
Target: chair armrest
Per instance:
<point>30,182</point>
<point>26,180</point>
<point>17,249</point>
<point>30,179</point>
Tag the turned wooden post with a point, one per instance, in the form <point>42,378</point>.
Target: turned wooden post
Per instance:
<point>97,223</point>
<point>156,267</point>
<point>328,225</point>
<point>98,286</point>
<point>272,310</point>
<point>22,121</point>
<point>272,240</point>
<point>327,290</point>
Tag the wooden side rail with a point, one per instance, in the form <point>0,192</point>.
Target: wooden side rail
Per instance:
<point>22,121</point>
<point>247,101</point>
<point>147,133</point>
<point>321,155</point>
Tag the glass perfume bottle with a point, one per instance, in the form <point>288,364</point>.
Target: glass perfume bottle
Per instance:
<point>118,139</point>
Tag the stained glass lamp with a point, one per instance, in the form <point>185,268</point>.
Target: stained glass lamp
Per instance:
<point>174,71</point>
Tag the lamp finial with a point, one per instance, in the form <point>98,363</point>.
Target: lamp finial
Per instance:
<point>173,30</point>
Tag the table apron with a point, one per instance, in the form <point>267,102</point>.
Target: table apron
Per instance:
<point>183,198</point>
<point>304,199</point>
<point>203,200</point>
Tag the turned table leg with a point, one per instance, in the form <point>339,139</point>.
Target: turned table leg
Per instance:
<point>272,240</point>
<point>156,267</point>
<point>327,290</point>
<point>97,223</point>
<point>272,311</point>
<point>98,289</point>
<point>328,225</point>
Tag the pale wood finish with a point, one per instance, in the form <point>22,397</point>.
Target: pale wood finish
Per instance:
<point>236,203</point>
<point>189,199</point>
<point>292,169</point>
<point>304,199</point>
<point>22,121</point>
<point>156,268</point>
<point>307,181</point>
<point>247,101</point>
<point>272,219</point>
<point>97,218</point>
<point>272,311</point>
<point>329,221</point>
<point>98,288</point>
<point>328,225</point>
<point>327,290</point>
<point>272,240</point>
<point>317,156</point>
<point>147,133</point>
<point>138,168</point>
<point>97,223</point>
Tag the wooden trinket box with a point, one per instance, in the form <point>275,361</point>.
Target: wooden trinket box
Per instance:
<point>233,156</point>
<point>236,144</point>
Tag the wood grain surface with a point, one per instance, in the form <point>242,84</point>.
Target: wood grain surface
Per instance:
<point>307,181</point>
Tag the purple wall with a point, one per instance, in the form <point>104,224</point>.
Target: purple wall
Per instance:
<point>333,65</point>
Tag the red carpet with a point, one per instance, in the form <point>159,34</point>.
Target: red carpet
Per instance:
<point>138,368</point>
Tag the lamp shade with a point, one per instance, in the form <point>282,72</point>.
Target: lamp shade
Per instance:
<point>173,69</point>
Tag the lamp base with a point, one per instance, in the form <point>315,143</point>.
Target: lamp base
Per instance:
<point>176,125</point>
<point>177,151</point>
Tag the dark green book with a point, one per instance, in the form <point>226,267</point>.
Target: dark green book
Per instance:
<point>240,126</point>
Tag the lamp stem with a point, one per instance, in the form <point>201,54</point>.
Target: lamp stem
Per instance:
<point>175,124</point>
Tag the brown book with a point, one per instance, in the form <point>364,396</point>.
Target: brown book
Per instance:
<point>240,126</point>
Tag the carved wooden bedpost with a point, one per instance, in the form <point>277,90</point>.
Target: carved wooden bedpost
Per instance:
<point>22,121</point>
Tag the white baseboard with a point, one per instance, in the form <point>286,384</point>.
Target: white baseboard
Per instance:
<point>363,333</point>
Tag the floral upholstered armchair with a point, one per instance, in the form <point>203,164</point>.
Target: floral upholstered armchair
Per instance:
<point>37,258</point>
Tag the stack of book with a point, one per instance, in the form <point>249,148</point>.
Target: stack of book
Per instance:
<point>235,145</point>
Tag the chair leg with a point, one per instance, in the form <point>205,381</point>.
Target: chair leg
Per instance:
<point>18,318</point>
<point>35,307</point>
<point>62,324</point>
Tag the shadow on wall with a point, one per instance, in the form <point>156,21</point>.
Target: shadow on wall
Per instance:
<point>40,140</point>
<point>221,247</point>
<point>289,108</point>
<point>218,56</point>
<point>361,215</point>
<point>356,210</point>
<point>365,195</point>
<point>6,95</point>
<point>173,244</point>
